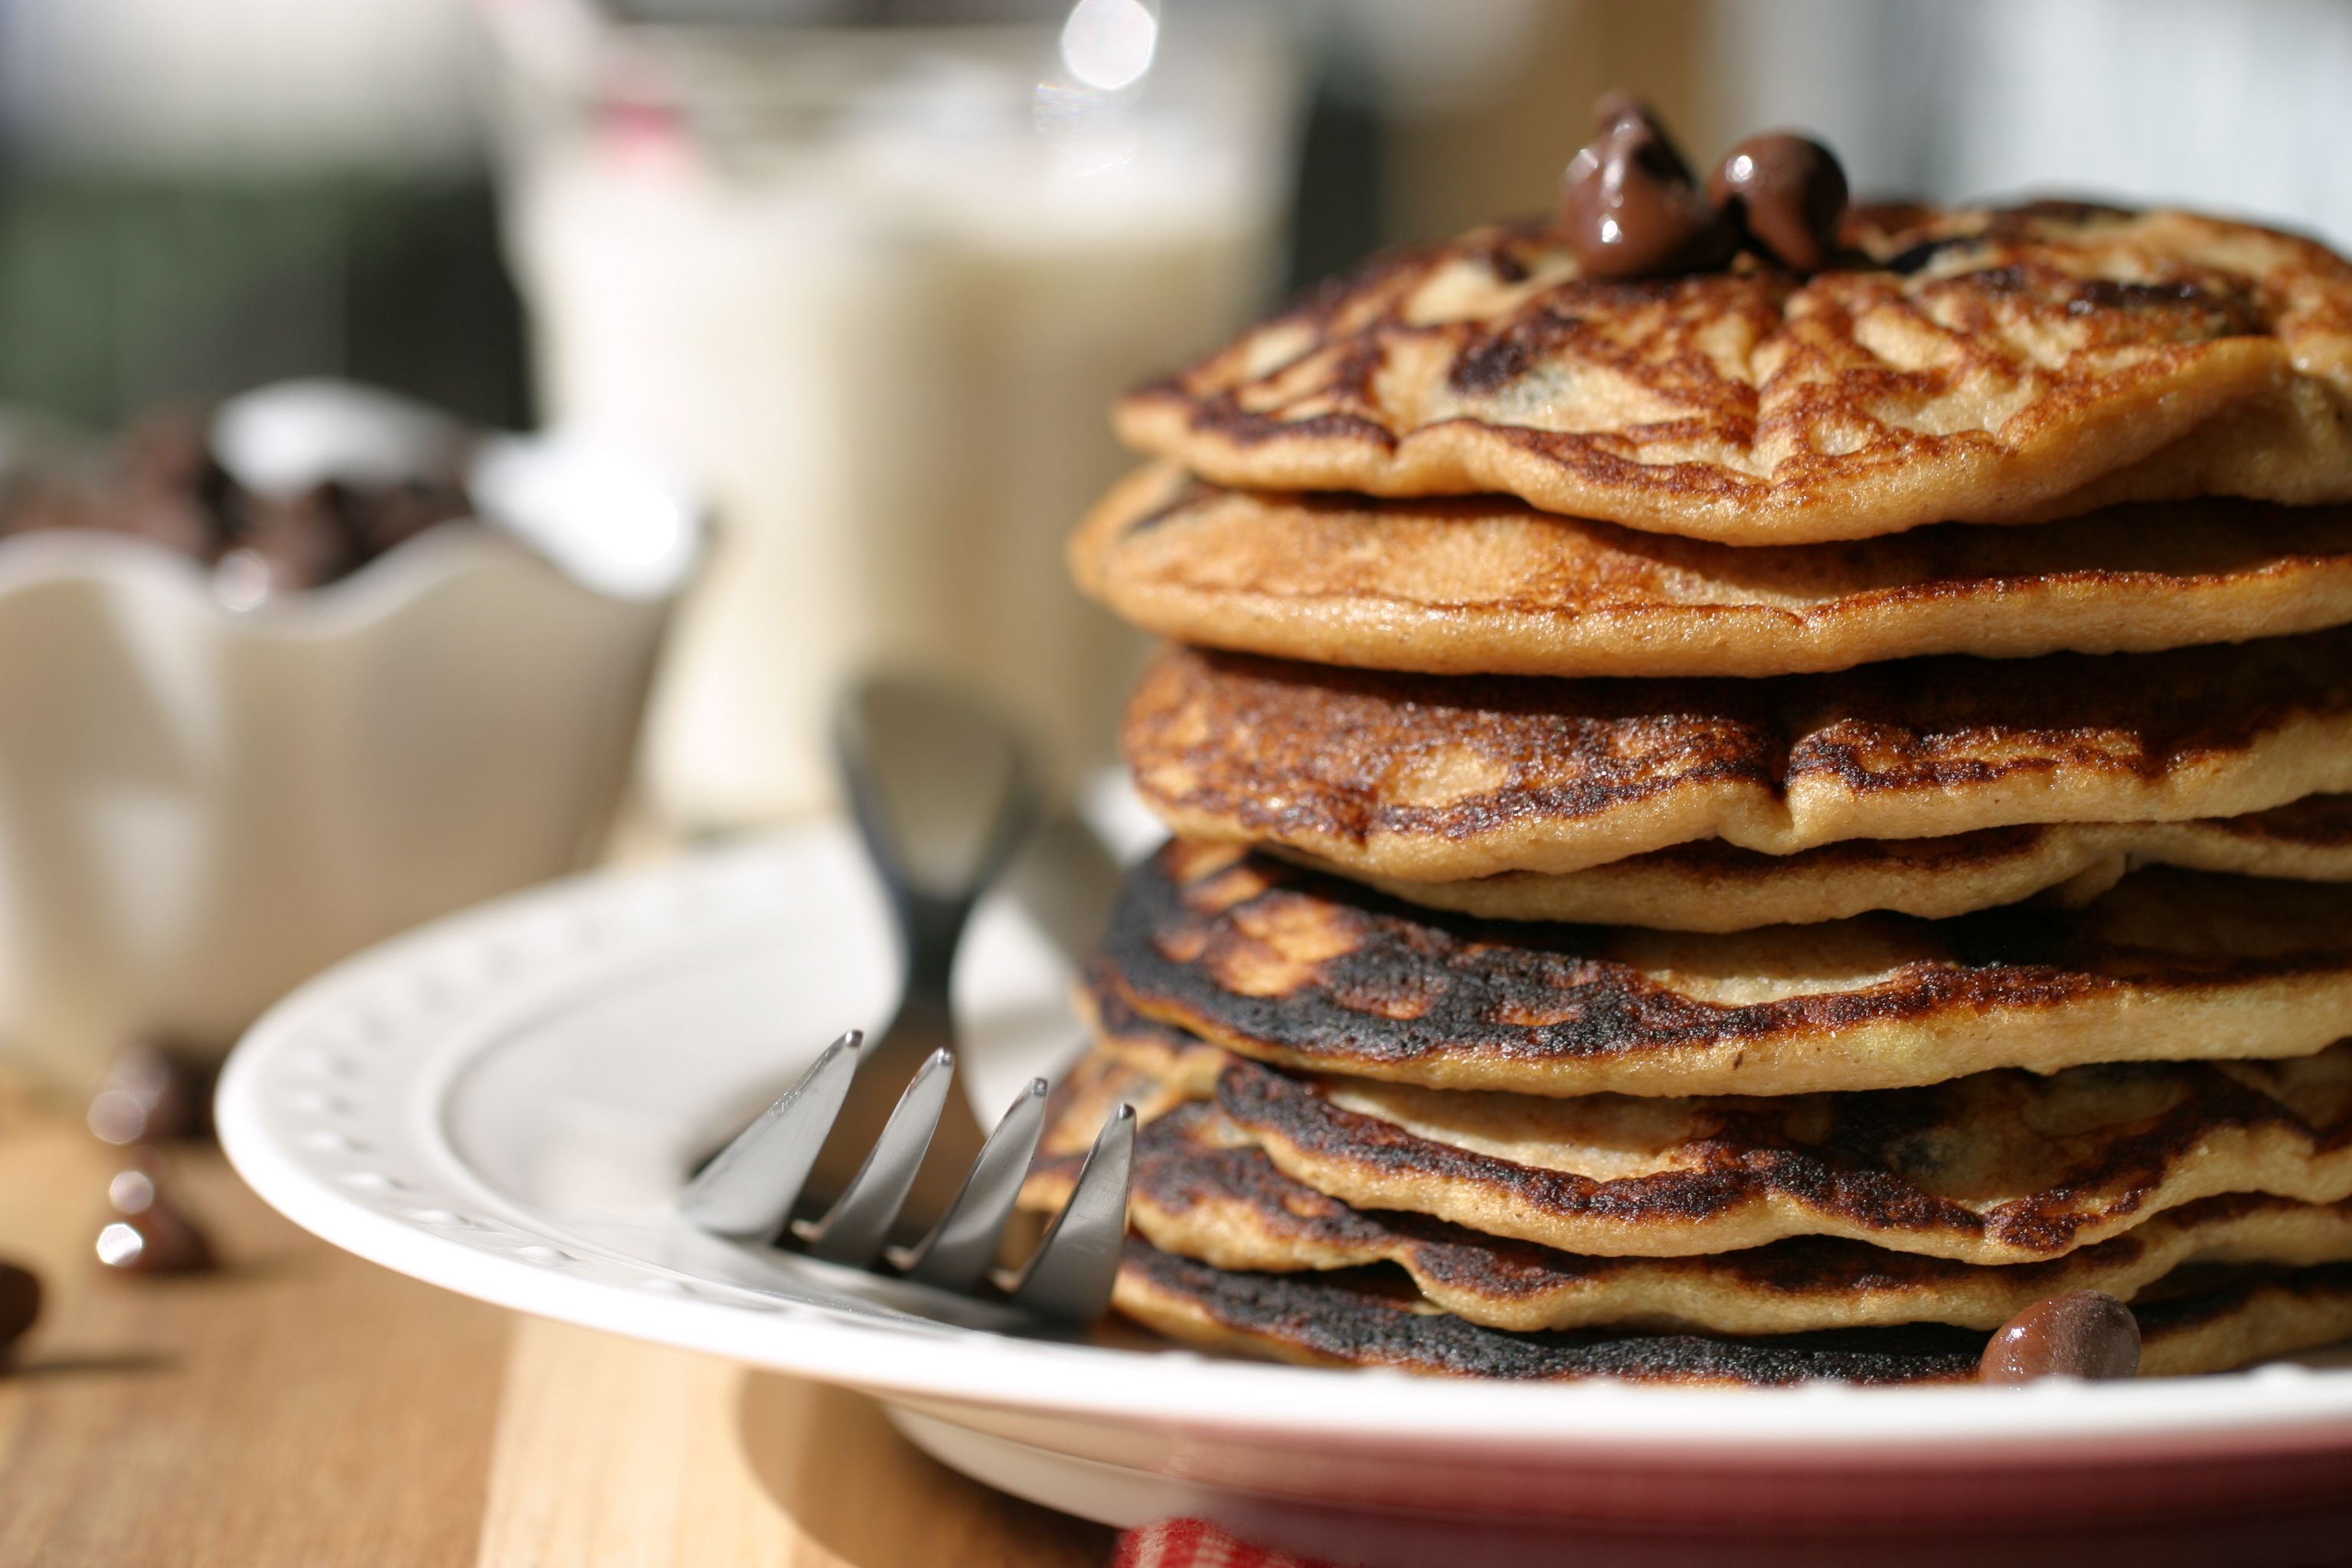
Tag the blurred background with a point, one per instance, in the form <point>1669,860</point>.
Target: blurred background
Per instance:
<point>864,273</point>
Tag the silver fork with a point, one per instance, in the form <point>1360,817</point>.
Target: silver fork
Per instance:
<point>940,788</point>
<point>942,796</point>
<point>748,1192</point>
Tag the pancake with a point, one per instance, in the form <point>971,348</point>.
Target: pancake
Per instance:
<point>1374,1318</point>
<point>1274,962</point>
<point>1489,585</point>
<point>1711,886</point>
<point>1440,778</point>
<point>1995,1168</point>
<point>1968,367</point>
<point>1152,1067</point>
<point>1203,1191</point>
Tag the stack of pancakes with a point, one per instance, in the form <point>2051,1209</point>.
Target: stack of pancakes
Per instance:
<point>1742,827</point>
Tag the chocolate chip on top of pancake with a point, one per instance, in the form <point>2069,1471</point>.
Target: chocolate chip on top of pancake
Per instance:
<point>1375,1318</point>
<point>1204,1191</point>
<point>1995,1168</point>
<point>1435,778</point>
<point>1711,886</point>
<point>1489,585</point>
<point>1276,962</point>
<point>1980,366</point>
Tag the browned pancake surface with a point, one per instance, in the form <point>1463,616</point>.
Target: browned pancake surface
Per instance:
<point>1276,962</point>
<point>1489,585</point>
<point>1438,778</point>
<point>1152,1067</point>
<point>1203,1190</point>
<point>1374,1318</point>
<point>1987,366</point>
<point>1711,886</point>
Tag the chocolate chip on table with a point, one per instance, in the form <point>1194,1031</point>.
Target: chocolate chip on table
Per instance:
<point>1790,194</point>
<point>150,1236</point>
<point>1629,206</point>
<point>147,1094</point>
<point>2083,1333</point>
<point>20,1304</point>
<point>1619,103</point>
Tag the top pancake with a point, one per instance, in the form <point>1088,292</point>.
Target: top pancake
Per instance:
<point>1487,585</point>
<point>1978,366</point>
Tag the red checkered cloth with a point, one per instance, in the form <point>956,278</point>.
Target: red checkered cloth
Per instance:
<point>1197,1543</point>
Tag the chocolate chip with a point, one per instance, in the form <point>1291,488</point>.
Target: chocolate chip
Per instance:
<point>161,483</point>
<point>147,1093</point>
<point>1620,103</point>
<point>20,1303</point>
<point>2083,1333</point>
<point>1788,191</point>
<point>1629,205</point>
<point>151,1237</point>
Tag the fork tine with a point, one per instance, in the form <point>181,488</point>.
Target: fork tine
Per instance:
<point>751,1186</point>
<point>852,1231</point>
<point>1077,1263</point>
<point>957,1252</point>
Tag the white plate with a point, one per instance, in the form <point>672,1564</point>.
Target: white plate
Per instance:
<point>504,1102</point>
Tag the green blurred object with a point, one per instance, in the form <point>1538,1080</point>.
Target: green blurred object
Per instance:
<point>118,293</point>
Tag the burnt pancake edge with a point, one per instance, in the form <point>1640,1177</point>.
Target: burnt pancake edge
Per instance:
<point>1201,1191</point>
<point>1271,960</point>
<point>1373,1317</point>
<point>1751,1182</point>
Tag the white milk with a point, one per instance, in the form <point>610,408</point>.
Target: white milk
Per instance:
<point>877,288</point>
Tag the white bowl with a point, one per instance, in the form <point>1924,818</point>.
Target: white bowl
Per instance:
<point>199,808</point>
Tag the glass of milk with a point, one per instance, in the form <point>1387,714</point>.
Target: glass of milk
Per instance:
<point>876,288</point>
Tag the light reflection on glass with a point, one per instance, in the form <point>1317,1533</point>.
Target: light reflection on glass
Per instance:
<point>1108,44</point>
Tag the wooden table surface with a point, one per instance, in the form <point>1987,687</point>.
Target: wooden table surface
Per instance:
<point>302,1407</point>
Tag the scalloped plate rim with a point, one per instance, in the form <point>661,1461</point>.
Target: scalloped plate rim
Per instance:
<point>2285,1407</point>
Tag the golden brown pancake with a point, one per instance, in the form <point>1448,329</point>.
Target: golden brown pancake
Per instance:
<point>1977,367</point>
<point>1995,1168</point>
<point>1273,961</point>
<point>1203,1191</point>
<point>1439,778</point>
<point>1488,586</point>
<point>1711,886</point>
<point>1375,1318</point>
<point>1149,1066</point>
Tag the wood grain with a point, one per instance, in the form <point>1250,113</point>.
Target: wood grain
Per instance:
<point>869,1499</point>
<point>611,1451</point>
<point>301,1408</point>
<point>298,1407</point>
<point>615,1454</point>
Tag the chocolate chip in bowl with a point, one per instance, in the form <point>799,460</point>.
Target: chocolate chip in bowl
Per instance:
<point>285,490</point>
